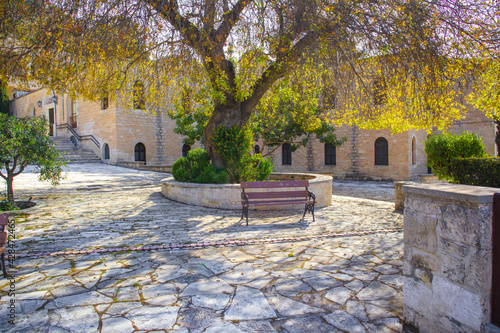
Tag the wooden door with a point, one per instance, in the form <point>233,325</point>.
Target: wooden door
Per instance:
<point>51,121</point>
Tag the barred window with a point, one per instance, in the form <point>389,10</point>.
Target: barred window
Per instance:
<point>381,152</point>
<point>140,152</point>
<point>330,154</point>
<point>286,154</point>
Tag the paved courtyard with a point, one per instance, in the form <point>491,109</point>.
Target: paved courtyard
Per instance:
<point>105,252</point>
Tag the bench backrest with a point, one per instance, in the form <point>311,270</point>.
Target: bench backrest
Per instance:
<point>4,220</point>
<point>276,184</point>
<point>290,184</point>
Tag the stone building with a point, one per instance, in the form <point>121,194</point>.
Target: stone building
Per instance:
<point>378,154</point>
<point>131,136</point>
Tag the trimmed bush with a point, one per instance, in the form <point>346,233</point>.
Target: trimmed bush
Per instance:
<point>476,171</point>
<point>196,168</point>
<point>181,170</point>
<point>443,148</point>
<point>187,169</point>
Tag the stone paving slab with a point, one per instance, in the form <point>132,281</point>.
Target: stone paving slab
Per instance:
<point>341,273</point>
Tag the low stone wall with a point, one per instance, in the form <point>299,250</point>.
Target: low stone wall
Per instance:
<point>133,165</point>
<point>228,196</point>
<point>448,257</point>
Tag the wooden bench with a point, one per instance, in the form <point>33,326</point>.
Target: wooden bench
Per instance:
<point>289,196</point>
<point>4,220</point>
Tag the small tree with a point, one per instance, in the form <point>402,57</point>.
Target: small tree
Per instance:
<point>442,149</point>
<point>24,142</point>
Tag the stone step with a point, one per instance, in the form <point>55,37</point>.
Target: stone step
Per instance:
<point>72,154</point>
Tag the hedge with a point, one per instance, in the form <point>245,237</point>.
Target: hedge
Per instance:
<point>476,171</point>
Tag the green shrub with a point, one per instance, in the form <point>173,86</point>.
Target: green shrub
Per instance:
<point>443,148</point>
<point>476,171</point>
<point>233,145</point>
<point>196,168</point>
<point>198,159</point>
<point>212,175</point>
<point>257,168</point>
<point>181,170</point>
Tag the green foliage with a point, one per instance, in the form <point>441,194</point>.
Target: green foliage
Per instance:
<point>4,99</point>
<point>233,145</point>
<point>6,205</point>
<point>212,175</point>
<point>257,168</point>
<point>196,168</point>
<point>24,142</point>
<point>476,171</point>
<point>441,149</point>
<point>191,113</point>
<point>181,170</point>
<point>198,160</point>
<point>497,135</point>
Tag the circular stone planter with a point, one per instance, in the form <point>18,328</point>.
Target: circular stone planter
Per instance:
<point>227,196</point>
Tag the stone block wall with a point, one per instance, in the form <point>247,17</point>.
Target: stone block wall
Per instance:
<point>448,257</point>
<point>356,157</point>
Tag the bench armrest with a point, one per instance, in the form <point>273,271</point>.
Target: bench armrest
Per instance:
<point>311,195</point>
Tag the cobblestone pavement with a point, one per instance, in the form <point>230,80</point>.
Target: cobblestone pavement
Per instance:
<point>105,252</point>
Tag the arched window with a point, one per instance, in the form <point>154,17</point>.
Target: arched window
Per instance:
<point>140,152</point>
<point>138,90</point>
<point>413,151</point>
<point>286,154</point>
<point>185,150</point>
<point>256,149</point>
<point>106,151</point>
<point>330,154</point>
<point>381,152</point>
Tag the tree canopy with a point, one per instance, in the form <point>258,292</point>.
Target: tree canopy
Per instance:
<point>391,64</point>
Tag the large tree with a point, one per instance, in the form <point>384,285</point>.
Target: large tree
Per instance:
<point>397,64</point>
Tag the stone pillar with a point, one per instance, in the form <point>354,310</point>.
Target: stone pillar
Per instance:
<point>448,258</point>
<point>399,195</point>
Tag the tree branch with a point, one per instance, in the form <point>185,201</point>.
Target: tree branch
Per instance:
<point>229,19</point>
<point>274,72</point>
<point>169,9</point>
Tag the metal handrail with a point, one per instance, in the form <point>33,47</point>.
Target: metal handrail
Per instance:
<point>78,136</point>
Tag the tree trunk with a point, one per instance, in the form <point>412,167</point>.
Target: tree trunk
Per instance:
<point>10,189</point>
<point>227,115</point>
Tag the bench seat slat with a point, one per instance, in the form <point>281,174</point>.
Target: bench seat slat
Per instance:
<point>278,202</point>
<point>276,194</point>
<point>276,184</point>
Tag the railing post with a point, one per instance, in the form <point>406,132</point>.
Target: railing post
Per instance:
<point>495,276</point>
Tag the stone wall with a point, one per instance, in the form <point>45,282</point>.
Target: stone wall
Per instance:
<point>228,196</point>
<point>448,257</point>
<point>356,157</point>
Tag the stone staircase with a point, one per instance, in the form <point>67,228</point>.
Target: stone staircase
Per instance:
<point>72,153</point>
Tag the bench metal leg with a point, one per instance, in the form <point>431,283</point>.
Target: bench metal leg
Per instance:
<point>305,211</point>
<point>3,265</point>
<point>246,211</point>
<point>308,208</point>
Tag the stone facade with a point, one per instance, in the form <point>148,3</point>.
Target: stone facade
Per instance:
<point>121,128</point>
<point>447,257</point>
